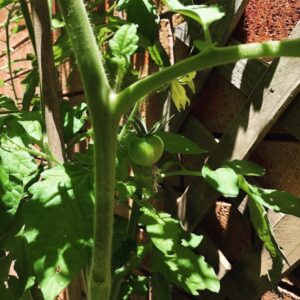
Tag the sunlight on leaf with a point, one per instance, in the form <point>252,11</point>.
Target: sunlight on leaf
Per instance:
<point>278,201</point>
<point>124,43</point>
<point>172,254</point>
<point>205,15</point>
<point>58,225</point>
<point>245,167</point>
<point>224,180</point>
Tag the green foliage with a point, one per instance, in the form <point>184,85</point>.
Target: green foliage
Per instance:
<point>73,118</point>
<point>275,200</point>
<point>224,180</point>
<point>47,214</point>
<point>124,44</point>
<point>7,103</point>
<point>172,254</point>
<point>176,143</point>
<point>31,82</point>
<point>17,251</point>
<point>17,168</point>
<point>58,226</point>
<point>203,14</point>
<point>142,13</point>
<point>3,3</point>
<point>246,168</point>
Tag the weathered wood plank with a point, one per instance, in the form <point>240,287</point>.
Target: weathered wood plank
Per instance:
<point>221,31</point>
<point>249,278</point>
<point>245,74</point>
<point>267,102</point>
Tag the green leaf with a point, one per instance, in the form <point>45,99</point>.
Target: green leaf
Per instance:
<point>135,285</point>
<point>58,225</point>
<point>3,3</point>
<point>125,189</point>
<point>177,263</point>
<point>33,129</point>
<point>176,143</point>
<point>124,42</point>
<point>17,168</point>
<point>16,246</point>
<point>204,15</point>
<point>11,192</point>
<point>262,226</point>
<point>73,118</point>
<point>62,48</point>
<point>246,168</point>
<point>7,103</point>
<point>159,55</point>
<point>146,18</point>
<point>278,201</point>
<point>31,81</point>
<point>18,163</point>
<point>224,180</point>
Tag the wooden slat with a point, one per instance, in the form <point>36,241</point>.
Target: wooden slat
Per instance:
<point>245,74</point>
<point>249,279</point>
<point>267,102</point>
<point>221,31</point>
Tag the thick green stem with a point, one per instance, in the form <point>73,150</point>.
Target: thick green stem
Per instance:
<point>104,124</point>
<point>105,144</point>
<point>207,59</point>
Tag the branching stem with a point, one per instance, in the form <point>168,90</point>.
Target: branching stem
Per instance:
<point>207,59</point>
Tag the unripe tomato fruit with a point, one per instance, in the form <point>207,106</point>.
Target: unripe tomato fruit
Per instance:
<point>146,151</point>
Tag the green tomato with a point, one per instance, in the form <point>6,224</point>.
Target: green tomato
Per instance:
<point>146,151</point>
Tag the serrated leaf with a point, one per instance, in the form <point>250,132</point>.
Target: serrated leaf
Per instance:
<point>124,42</point>
<point>58,225</point>
<point>245,168</point>
<point>17,168</point>
<point>224,180</point>
<point>176,143</point>
<point>170,256</point>
<point>203,14</point>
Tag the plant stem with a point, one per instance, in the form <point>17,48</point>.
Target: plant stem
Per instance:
<point>129,121</point>
<point>105,125</point>
<point>10,13</point>
<point>208,59</point>
<point>181,173</point>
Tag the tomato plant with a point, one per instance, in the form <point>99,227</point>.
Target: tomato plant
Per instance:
<point>57,211</point>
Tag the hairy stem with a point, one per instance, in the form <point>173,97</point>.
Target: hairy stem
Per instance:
<point>207,59</point>
<point>105,127</point>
